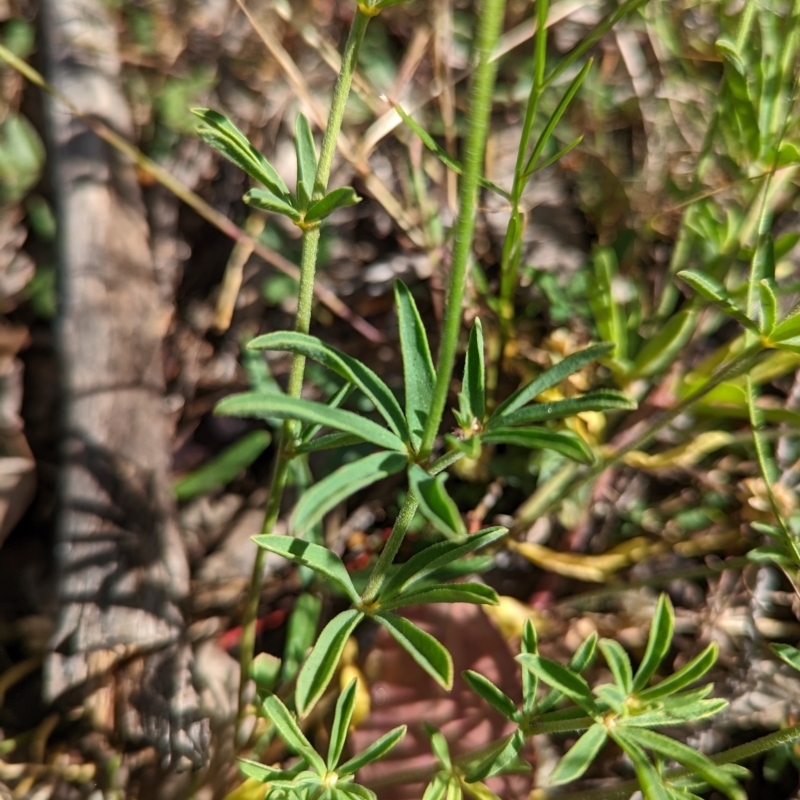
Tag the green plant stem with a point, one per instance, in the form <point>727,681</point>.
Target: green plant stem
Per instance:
<point>570,478</point>
<point>391,547</point>
<point>308,262</point>
<point>340,94</point>
<point>480,105</point>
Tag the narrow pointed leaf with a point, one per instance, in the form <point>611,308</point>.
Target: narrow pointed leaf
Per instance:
<point>580,756</point>
<point>277,713</point>
<point>686,675</point>
<point>378,749</point>
<point>567,443</point>
<point>435,504</point>
<point>473,386</point>
<point>308,554</point>
<point>338,198</point>
<point>495,697</point>
<point>555,117</point>
<point>436,557</point>
<point>437,788</point>
<point>609,315</point>
<point>343,365</point>
<point>501,755</point>
<point>219,132</point>
<point>787,328</point>
<point>474,593</point>
<point>328,441</point>
<point>558,155</point>
<point>265,404</point>
<point>225,467</point>
<point>551,377</point>
<point>601,400</point>
<point>658,642</point>
<point>421,646</point>
<point>258,771</point>
<point>345,706</point>
<point>712,290</point>
<point>559,677</point>
<point>649,780</point>
<point>441,153</point>
<point>699,764</point>
<point>418,372</point>
<point>318,669</point>
<point>439,745</point>
<point>341,484</point>
<point>267,201</point>
<point>529,643</point>
<point>301,633</point>
<point>769,306</point>
<point>582,658</point>
<point>306,159</point>
<point>619,663</point>
<point>787,653</point>
<point>660,351</point>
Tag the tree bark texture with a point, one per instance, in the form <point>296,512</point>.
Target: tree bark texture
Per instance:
<point>123,572</point>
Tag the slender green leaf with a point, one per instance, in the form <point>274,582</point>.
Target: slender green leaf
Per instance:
<point>551,377</point>
<point>345,706</point>
<point>660,351</point>
<point>342,365</point>
<point>649,780</point>
<point>495,697</point>
<point>277,713</point>
<point>339,485</point>
<point>308,554</point>
<point>378,749</point>
<point>601,400</point>
<point>354,791</point>
<point>267,201</point>
<point>439,745</point>
<point>442,154</point>
<point>785,244</point>
<point>264,671</point>
<point>555,117</point>
<point>310,430</point>
<point>475,593</point>
<point>437,788</point>
<point>437,556</point>
<point>473,386</point>
<point>328,441</point>
<point>692,760</point>
<point>559,677</point>
<point>421,646</point>
<point>607,312</point>
<point>769,306</point>
<point>529,643</point>
<point>567,443</point>
<point>318,669</point>
<point>501,755</point>
<point>787,653</point>
<point>711,289</point>
<point>306,159</point>
<point>219,132</point>
<point>686,675</point>
<point>301,632</point>
<point>582,658</point>
<point>658,642</point>
<point>580,756</point>
<point>612,695</point>
<point>435,503</point>
<point>619,663</point>
<point>258,771</point>
<point>559,154</point>
<point>418,371</point>
<point>265,404</point>
<point>225,467</point>
<point>787,328</point>
<point>338,198</point>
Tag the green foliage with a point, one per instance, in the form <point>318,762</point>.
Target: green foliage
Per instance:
<point>754,119</point>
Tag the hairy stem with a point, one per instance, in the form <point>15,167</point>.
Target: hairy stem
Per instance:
<point>308,264</point>
<point>480,105</point>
